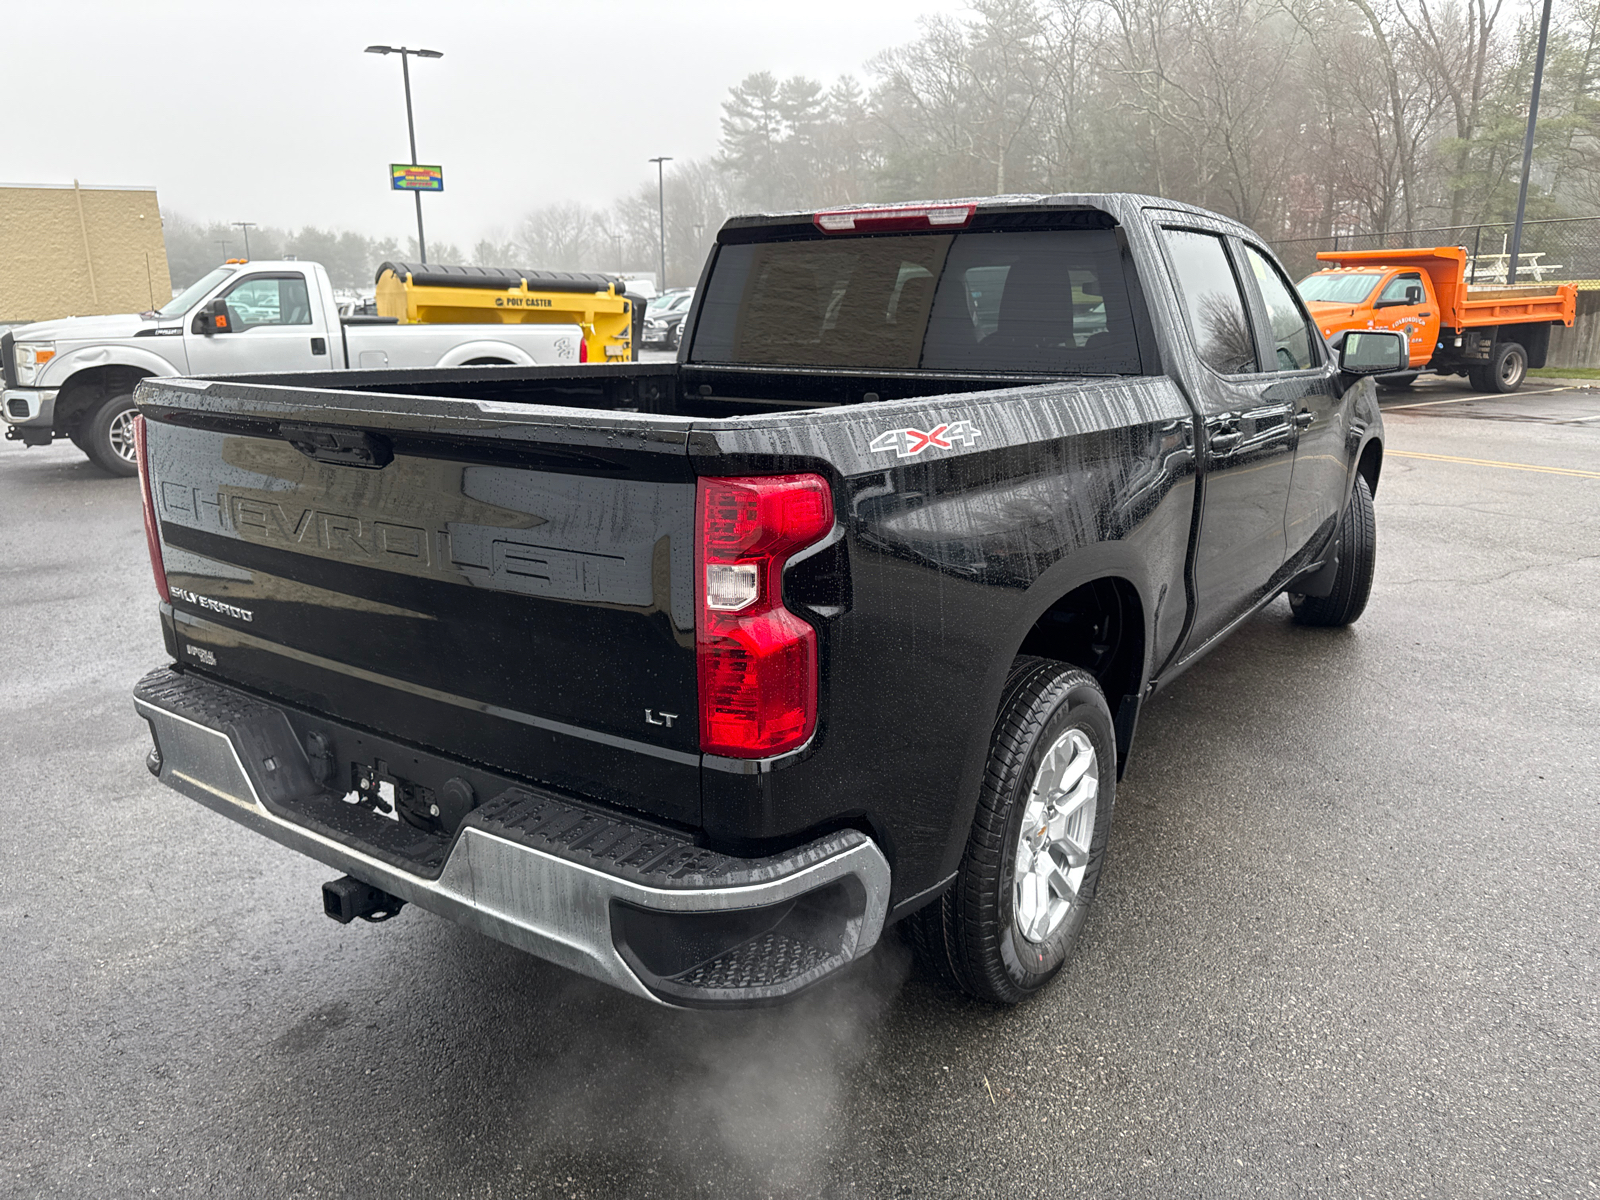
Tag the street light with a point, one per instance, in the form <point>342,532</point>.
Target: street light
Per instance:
<point>406,53</point>
<point>247,226</point>
<point>661,204</point>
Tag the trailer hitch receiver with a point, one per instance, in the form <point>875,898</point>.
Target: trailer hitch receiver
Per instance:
<point>344,899</point>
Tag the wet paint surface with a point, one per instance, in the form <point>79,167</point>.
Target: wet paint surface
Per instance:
<point>965,511</point>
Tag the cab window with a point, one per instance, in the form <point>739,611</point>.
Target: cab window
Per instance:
<point>1399,290</point>
<point>1293,336</point>
<point>269,300</point>
<point>1212,302</point>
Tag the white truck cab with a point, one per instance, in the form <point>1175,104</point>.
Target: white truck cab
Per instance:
<point>75,377</point>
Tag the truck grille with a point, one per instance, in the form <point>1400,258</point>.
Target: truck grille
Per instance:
<point>8,360</point>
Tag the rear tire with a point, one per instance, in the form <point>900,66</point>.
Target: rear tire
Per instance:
<point>107,435</point>
<point>1478,379</point>
<point>1033,857</point>
<point>1358,556</point>
<point>1507,369</point>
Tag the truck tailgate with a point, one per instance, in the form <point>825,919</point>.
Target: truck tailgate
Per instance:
<point>513,583</point>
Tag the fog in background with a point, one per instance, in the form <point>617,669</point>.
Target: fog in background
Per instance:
<point>270,112</point>
<point>1302,118</point>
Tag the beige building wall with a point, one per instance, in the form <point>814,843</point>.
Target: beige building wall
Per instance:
<point>71,251</point>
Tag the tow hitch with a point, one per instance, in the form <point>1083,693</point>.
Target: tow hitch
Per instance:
<point>344,899</point>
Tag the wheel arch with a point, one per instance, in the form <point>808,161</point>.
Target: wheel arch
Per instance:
<point>1095,615</point>
<point>1091,581</point>
<point>1370,464</point>
<point>461,355</point>
<point>85,390</point>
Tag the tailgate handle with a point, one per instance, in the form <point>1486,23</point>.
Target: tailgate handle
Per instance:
<point>347,447</point>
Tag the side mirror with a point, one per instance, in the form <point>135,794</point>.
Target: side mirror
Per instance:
<point>213,318</point>
<point>1371,352</point>
<point>1413,295</point>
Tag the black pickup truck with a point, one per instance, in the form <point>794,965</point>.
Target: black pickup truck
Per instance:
<point>694,677</point>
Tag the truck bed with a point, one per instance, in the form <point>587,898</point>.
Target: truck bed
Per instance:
<point>658,389</point>
<point>383,346</point>
<point>1518,303</point>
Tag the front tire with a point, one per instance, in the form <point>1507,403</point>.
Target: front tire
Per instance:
<point>1033,858</point>
<point>107,435</point>
<point>1358,557</point>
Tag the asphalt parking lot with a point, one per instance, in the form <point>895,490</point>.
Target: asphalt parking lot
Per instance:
<point>1347,944</point>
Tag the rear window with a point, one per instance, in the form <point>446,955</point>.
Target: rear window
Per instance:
<point>1031,302</point>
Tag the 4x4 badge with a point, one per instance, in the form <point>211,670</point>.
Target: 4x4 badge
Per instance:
<point>907,442</point>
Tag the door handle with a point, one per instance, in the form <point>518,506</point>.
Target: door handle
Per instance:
<point>1225,441</point>
<point>1303,419</point>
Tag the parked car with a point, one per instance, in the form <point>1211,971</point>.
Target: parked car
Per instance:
<point>694,677</point>
<point>360,306</point>
<point>663,319</point>
<point>75,377</point>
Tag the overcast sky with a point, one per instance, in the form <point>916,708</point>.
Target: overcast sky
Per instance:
<point>270,112</point>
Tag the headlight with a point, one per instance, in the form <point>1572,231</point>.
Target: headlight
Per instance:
<point>31,358</point>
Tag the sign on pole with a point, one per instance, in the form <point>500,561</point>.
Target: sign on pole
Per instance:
<point>408,177</point>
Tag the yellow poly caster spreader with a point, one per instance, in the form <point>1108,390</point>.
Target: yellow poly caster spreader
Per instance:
<point>427,294</point>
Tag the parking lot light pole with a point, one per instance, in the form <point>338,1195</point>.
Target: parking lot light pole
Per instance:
<point>247,226</point>
<point>1527,147</point>
<point>661,208</point>
<point>405,73</point>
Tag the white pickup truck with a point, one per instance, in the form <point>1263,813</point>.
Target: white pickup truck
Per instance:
<point>75,377</point>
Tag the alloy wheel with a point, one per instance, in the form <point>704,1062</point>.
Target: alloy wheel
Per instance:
<point>120,434</point>
<point>1057,826</point>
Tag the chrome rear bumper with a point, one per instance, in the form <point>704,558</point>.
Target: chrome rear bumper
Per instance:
<point>757,930</point>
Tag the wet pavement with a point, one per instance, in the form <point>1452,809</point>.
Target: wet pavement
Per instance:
<point>1347,943</point>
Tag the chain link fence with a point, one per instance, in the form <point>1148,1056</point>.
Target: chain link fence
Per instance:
<point>1566,249</point>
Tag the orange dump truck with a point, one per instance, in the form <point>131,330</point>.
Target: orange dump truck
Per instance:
<point>1492,335</point>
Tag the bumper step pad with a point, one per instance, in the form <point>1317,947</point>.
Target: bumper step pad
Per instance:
<point>638,853</point>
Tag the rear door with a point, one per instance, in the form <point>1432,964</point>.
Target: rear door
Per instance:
<point>276,324</point>
<point>1247,442</point>
<point>510,583</point>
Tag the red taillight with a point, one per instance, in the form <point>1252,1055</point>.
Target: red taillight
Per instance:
<point>757,660</point>
<point>583,349</point>
<point>152,534</point>
<point>895,218</point>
